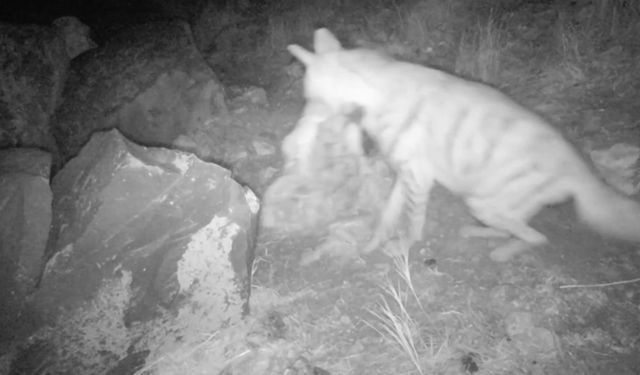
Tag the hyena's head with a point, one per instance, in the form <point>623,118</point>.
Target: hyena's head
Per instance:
<point>337,76</point>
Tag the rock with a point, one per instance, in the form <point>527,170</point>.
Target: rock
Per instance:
<point>34,61</point>
<point>518,322</point>
<point>25,217</point>
<point>248,96</point>
<point>150,248</point>
<point>76,35</point>
<point>150,82</point>
<point>264,147</point>
<point>531,341</point>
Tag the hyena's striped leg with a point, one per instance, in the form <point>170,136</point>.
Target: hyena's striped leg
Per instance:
<point>418,183</point>
<point>409,187</point>
<point>503,252</point>
<point>389,216</point>
<point>526,237</point>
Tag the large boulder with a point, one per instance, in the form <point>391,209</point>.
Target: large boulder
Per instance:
<point>150,82</point>
<point>149,249</point>
<point>34,61</point>
<point>25,217</point>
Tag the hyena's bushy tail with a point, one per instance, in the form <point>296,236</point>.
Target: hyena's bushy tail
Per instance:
<point>606,210</point>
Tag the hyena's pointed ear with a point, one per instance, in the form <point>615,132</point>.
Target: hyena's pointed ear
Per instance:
<point>306,57</point>
<point>324,41</point>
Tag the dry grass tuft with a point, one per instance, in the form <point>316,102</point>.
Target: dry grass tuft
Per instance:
<point>396,325</point>
<point>427,347</point>
<point>480,52</point>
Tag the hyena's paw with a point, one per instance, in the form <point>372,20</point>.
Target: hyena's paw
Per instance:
<point>507,251</point>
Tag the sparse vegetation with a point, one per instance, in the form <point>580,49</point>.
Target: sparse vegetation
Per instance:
<point>480,51</point>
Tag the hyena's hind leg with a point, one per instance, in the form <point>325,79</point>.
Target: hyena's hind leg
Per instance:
<point>501,225</point>
<point>514,204</point>
<point>525,238</point>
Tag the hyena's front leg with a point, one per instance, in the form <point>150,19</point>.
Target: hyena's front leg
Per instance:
<point>412,186</point>
<point>419,182</point>
<point>389,217</point>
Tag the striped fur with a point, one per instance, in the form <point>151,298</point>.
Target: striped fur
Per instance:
<point>505,161</point>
